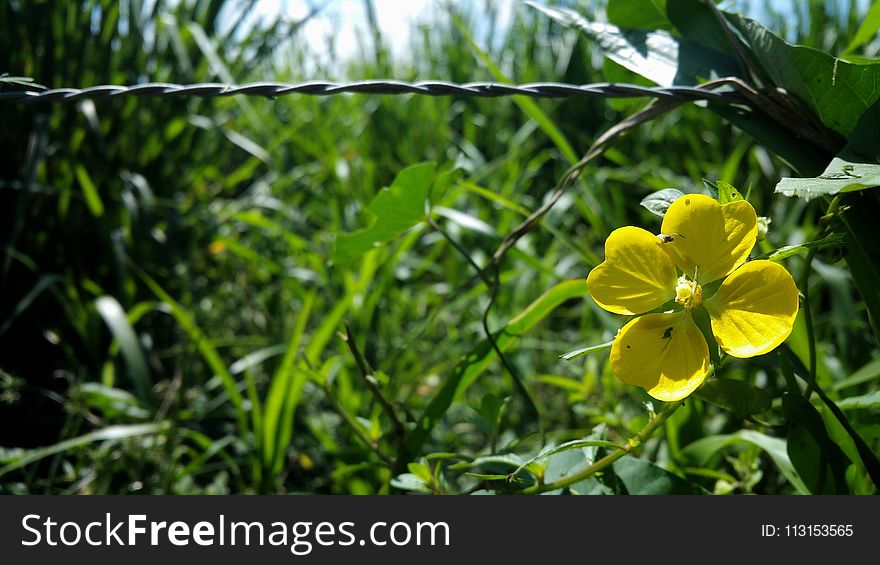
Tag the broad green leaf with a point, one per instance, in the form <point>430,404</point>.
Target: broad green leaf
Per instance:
<point>643,477</point>
<point>836,91</point>
<point>869,459</point>
<point>668,60</point>
<point>655,55</point>
<point>479,359</point>
<point>857,166</point>
<point>394,210</point>
<point>564,464</point>
<point>805,158</point>
<point>706,449</point>
<point>839,176</point>
<point>739,397</point>
<point>114,316</point>
<point>637,14</point>
<point>818,460</point>
<point>693,20</point>
<point>870,400</point>
<point>658,202</point>
<point>863,249</point>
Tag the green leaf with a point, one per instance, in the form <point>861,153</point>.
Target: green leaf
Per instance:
<point>409,482</point>
<point>863,250</point>
<point>836,91</point>
<point>739,397</point>
<point>394,210</point>
<point>478,360</point>
<point>706,449</point>
<point>487,477</point>
<point>113,402</point>
<point>643,477</point>
<point>805,158</point>
<point>867,30</point>
<point>586,351</point>
<point>112,433</point>
<point>695,21</point>
<point>789,250</point>
<point>658,202</point>
<point>114,316</point>
<point>567,446</point>
<point>868,372</point>
<point>668,60</point>
<point>870,400</point>
<point>839,176</point>
<point>637,14</point>
<point>90,192</point>
<point>818,460</point>
<point>283,396</point>
<point>655,55</point>
<point>421,471</point>
<point>724,191</point>
<point>856,167</point>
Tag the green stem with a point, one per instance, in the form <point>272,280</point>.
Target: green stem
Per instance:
<point>808,320</point>
<point>355,427</point>
<point>830,212</point>
<point>668,409</point>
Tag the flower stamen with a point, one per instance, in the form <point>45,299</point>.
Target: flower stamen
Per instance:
<point>688,293</point>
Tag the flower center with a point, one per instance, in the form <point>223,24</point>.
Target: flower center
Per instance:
<point>688,293</point>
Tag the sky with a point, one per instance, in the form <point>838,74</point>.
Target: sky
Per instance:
<point>397,19</point>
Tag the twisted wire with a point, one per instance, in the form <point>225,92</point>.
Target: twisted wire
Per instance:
<point>323,88</point>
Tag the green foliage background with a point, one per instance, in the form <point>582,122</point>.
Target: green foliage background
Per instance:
<point>176,272</point>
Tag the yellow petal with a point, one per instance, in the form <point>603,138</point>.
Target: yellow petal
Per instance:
<point>754,309</point>
<point>663,353</point>
<point>636,276</point>
<point>705,234</point>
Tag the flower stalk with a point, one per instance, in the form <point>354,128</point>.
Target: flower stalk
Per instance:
<point>634,442</point>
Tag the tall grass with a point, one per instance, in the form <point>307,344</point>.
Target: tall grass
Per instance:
<point>167,267</point>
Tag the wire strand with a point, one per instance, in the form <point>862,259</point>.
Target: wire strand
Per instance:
<point>385,87</point>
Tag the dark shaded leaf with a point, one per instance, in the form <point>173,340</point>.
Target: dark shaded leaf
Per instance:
<point>819,461</point>
<point>836,91</point>
<point>643,477</point>
<point>739,397</point>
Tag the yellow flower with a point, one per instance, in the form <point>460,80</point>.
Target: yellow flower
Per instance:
<point>751,312</point>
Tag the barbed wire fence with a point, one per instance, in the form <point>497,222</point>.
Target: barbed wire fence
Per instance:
<point>725,91</point>
<point>384,87</point>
